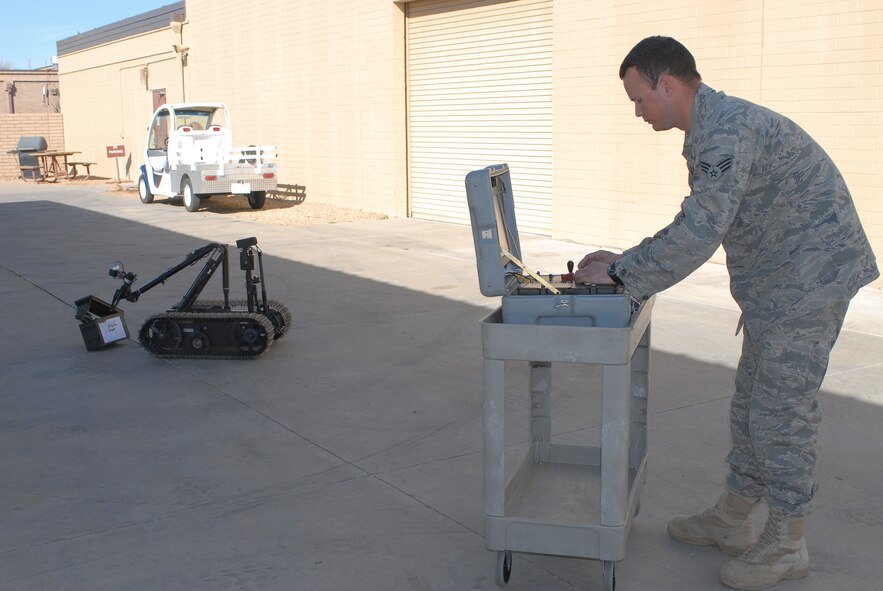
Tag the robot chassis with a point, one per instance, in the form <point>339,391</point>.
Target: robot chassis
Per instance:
<point>210,329</point>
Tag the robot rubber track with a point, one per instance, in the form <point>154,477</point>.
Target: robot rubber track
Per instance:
<point>277,312</point>
<point>207,335</point>
<point>210,329</point>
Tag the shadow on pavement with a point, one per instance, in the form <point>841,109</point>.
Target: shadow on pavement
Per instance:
<point>348,456</point>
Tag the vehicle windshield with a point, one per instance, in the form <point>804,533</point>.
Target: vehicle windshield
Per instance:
<point>201,118</point>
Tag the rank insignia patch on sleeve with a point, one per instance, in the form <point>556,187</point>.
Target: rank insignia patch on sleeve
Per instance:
<point>717,170</point>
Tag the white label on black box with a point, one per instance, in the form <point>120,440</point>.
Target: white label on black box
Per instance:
<point>112,329</point>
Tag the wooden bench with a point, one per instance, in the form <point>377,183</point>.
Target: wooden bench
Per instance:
<point>74,165</point>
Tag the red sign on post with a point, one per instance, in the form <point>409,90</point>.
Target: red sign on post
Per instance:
<point>116,152</point>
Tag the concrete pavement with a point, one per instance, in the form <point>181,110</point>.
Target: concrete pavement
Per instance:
<point>349,456</point>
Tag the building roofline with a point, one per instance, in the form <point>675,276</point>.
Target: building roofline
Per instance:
<point>141,23</point>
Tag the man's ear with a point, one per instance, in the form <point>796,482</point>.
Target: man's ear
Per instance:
<point>667,84</point>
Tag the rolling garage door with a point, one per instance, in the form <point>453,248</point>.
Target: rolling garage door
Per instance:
<point>480,92</point>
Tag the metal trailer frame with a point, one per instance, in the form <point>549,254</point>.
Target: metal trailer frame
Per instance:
<point>224,183</point>
<point>534,511</point>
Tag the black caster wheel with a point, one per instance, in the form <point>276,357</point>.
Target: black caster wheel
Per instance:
<point>504,567</point>
<point>608,575</point>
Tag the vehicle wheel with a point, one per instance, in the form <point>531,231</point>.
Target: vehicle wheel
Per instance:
<point>256,199</point>
<point>144,190</point>
<point>504,566</point>
<point>191,200</point>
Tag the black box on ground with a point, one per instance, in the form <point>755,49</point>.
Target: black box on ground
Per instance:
<point>100,324</point>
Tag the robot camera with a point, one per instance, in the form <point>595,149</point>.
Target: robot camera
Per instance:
<point>117,269</point>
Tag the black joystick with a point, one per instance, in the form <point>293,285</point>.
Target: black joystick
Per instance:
<point>569,276</point>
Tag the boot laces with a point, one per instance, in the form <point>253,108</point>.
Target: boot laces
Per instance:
<point>768,541</point>
<point>709,512</point>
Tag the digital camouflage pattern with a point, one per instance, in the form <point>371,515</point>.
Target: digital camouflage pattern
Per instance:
<point>763,188</point>
<point>774,414</point>
<point>796,253</point>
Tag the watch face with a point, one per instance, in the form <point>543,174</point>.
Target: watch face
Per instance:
<point>611,271</point>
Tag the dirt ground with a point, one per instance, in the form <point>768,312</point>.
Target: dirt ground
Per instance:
<point>280,210</point>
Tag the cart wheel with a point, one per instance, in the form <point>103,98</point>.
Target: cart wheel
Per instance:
<point>504,566</point>
<point>144,191</point>
<point>256,199</point>
<point>191,200</point>
<point>608,574</point>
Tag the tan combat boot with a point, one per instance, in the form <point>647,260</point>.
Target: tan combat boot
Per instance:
<point>728,525</point>
<point>780,553</point>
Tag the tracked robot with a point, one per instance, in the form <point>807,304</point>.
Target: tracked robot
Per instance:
<point>208,329</point>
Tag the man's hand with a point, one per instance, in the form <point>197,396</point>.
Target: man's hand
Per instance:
<point>600,256</point>
<point>593,268</point>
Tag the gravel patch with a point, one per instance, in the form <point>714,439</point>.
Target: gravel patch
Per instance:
<point>278,210</point>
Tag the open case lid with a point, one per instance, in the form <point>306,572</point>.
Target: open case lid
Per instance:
<point>492,211</point>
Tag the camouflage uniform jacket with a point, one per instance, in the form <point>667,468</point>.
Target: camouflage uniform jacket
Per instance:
<point>763,188</point>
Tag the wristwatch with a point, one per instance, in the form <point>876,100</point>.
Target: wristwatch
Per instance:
<point>611,272</point>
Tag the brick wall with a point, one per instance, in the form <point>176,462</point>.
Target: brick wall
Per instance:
<point>12,127</point>
<point>29,97</point>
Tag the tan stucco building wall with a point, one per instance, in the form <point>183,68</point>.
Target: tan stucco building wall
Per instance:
<point>111,97</point>
<point>820,63</point>
<point>322,81</point>
<point>326,83</point>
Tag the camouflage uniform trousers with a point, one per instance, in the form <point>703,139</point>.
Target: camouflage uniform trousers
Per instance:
<point>774,415</point>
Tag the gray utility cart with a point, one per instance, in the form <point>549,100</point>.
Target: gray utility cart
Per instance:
<point>564,499</point>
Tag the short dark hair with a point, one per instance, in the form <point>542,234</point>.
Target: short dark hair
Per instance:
<point>655,56</point>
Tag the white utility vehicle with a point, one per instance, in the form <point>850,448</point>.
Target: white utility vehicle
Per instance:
<point>190,155</point>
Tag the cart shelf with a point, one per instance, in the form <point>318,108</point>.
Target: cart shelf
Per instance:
<point>565,499</point>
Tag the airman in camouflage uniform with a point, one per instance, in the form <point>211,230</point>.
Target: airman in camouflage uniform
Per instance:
<point>796,254</point>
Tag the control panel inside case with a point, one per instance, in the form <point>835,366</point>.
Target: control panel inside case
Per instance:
<point>565,287</point>
<point>528,296</point>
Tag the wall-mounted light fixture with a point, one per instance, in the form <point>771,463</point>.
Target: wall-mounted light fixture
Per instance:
<point>182,50</point>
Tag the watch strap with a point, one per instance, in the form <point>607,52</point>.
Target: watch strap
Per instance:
<point>611,271</point>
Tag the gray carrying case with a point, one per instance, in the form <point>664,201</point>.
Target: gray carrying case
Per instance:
<point>526,299</point>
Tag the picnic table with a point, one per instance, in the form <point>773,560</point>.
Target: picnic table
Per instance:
<point>51,164</point>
